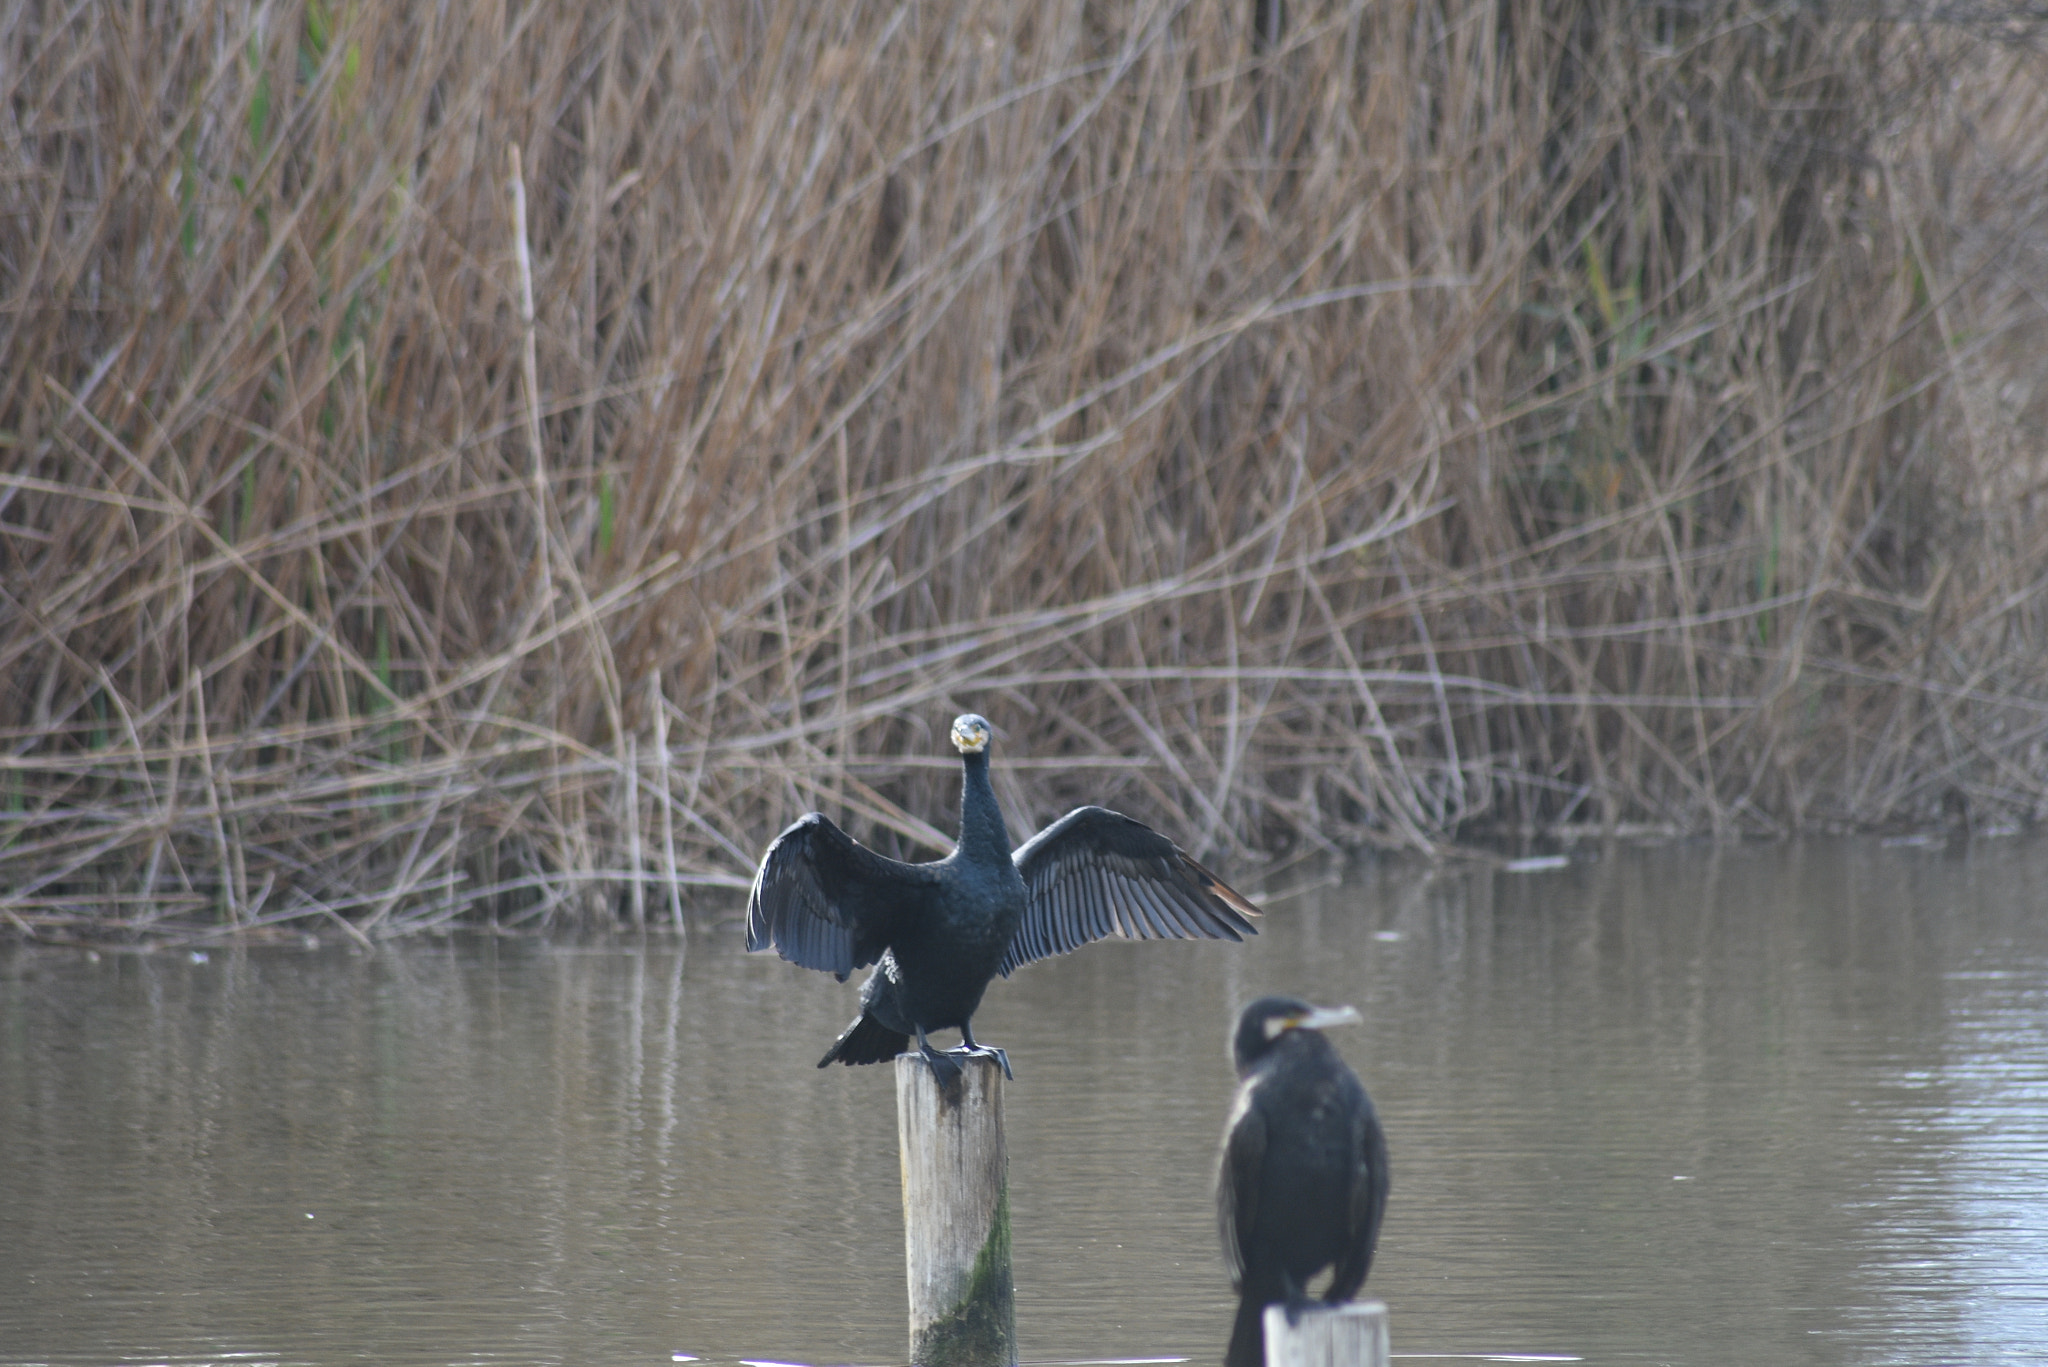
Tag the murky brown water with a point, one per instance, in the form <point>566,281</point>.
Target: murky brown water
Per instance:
<point>1786,1105</point>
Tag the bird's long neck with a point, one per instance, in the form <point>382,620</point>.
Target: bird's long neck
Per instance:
<point>983,836</point>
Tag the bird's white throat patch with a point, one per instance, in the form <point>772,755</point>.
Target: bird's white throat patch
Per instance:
<point>970,734</point>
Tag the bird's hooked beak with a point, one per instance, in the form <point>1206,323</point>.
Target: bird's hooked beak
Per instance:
<point>1315,1018</point>
<point>970,734</point>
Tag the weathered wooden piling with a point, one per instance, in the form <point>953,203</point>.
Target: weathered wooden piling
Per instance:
<point>1353,1334</point>
<point>956,1215</point>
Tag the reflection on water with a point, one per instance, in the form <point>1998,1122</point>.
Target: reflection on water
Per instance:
<point>1786,1105</point>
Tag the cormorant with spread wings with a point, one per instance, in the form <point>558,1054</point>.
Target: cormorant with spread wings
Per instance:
<point>939,932</point>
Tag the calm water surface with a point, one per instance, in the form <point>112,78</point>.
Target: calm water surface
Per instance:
<point>1702,1106</point>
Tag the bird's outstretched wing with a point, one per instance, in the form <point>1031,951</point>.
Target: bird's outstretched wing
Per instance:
<point>826,901</point>
<point>1238,1176</point>
<point>1095,873</point>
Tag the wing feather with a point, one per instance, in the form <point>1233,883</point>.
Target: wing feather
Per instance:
<point>1159,925</point>
<point>1171,922</point>
<point>1242,1164</point>
<point>1368,1198</point>
<point>826,901</point>
<point>1103,895</point>
<point>1129,915</point>
<point>1179,922</point>
<point>1096,874</point>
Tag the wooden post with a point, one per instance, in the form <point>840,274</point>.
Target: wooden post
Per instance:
<point>1353,1334</point>
<point>956,1215</point>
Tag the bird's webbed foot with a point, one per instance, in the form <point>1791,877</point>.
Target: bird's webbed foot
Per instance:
<point>985,1051</point>
<point>969,1047</point>
<point>946,1071</point>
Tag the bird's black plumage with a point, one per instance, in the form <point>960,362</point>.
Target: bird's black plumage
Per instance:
<point>1303,1178</point>
<point>939,932</point>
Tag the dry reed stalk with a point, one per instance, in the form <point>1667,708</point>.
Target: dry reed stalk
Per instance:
<point>1426,421</point>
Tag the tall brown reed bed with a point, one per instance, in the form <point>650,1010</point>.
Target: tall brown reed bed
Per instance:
<point>504,460</point>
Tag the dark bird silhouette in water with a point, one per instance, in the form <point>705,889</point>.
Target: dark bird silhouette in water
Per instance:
<point>939,932</point>
<point>1303,1178</point>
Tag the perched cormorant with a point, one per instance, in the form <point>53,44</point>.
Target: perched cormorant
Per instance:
<point>1303,1179</point>
<point>938,932</point>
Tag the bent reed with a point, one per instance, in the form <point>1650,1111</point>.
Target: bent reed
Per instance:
<point>503,461</point>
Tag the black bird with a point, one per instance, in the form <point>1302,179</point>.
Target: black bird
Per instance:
<point>1303,1179</point>
<point>940,931</point>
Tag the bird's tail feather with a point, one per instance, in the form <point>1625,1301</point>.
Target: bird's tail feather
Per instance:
<point>867,1040</point>
<point>1247,1334</point>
